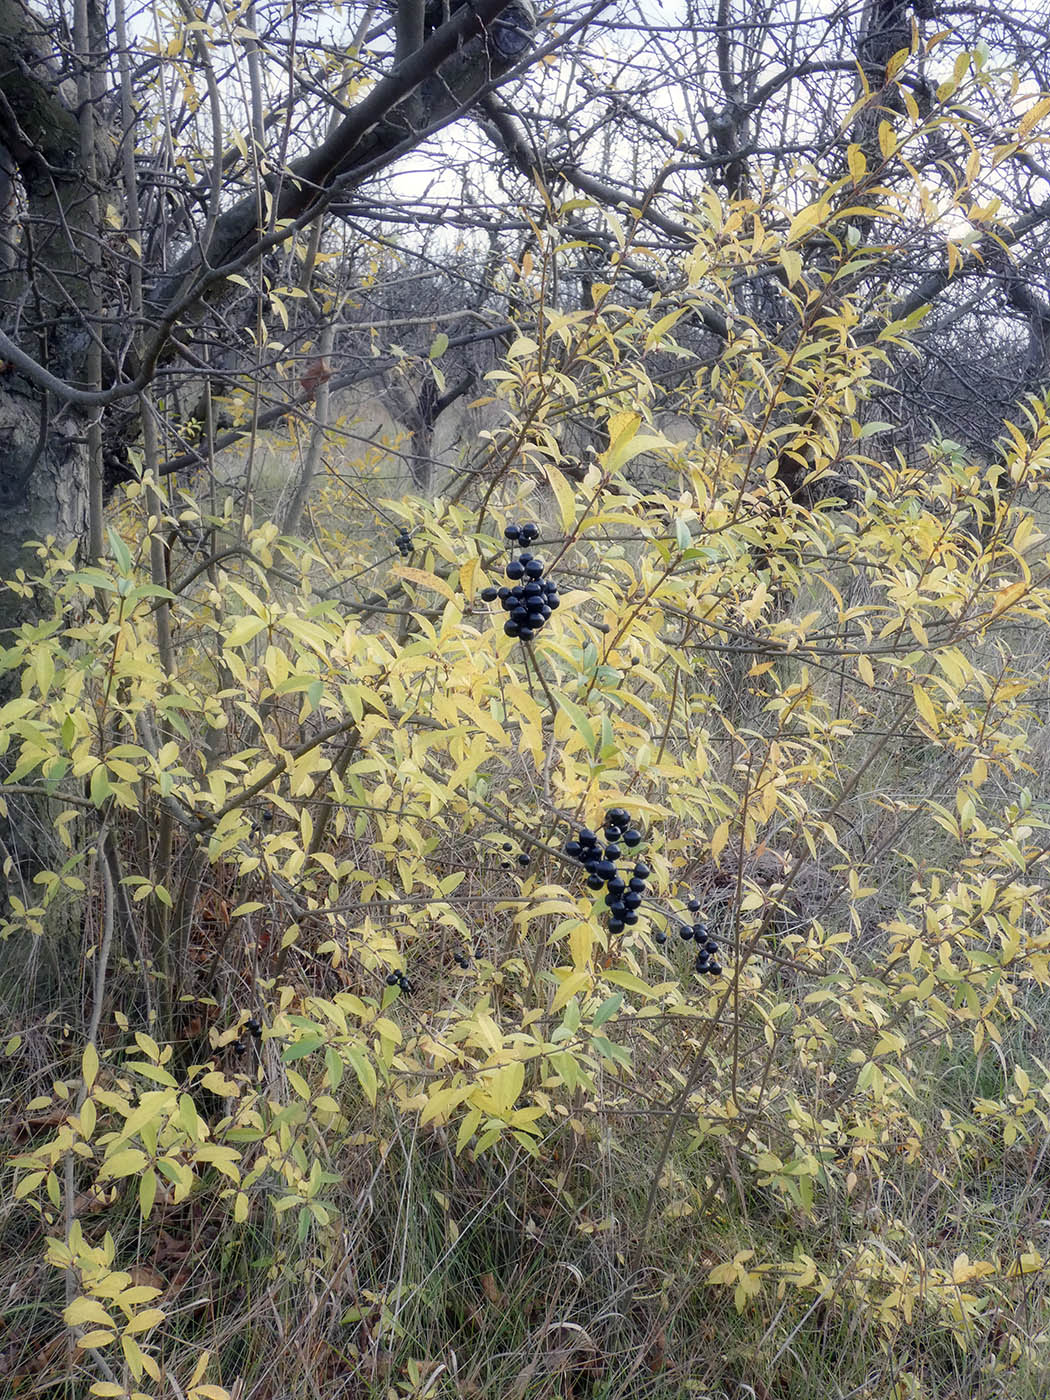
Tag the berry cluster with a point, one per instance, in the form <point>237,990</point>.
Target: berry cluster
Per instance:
<point>461,957</point>
<point>531,600</point>
<point>404,542</point>
<point>398,979</point>
<point>707,954</point>
<point>624,892</point>
<point>254,1028</point>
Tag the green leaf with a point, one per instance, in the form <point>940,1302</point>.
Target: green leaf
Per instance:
<point>609,1007</point>
<point>120,551</point>
<point>301,1049</point>
<point>580,720</point>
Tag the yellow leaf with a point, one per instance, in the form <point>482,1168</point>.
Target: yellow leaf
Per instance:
<point>87,1119</point>
<point>887,139</point>
<point>1033,117</point>
<point>425,580</point>
<point>805,220</point>
<point>96,1339</point>
<point>896,63</point>
<point>719,839</point>
<point>124,1163</point>
<point>89,1065</point>
<point>581,942</point>
<point>925,706</point>
<point>1006,597</point>
<point>857,162</point>
<point>573,983</point>
<point>791,261</point>
<point>83,1310</point>
<point>141,1322</point>
<point>563,494</point>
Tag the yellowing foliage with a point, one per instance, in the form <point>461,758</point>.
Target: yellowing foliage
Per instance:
<point>820,712</point>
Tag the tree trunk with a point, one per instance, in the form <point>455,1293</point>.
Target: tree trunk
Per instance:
<point>43,485</point>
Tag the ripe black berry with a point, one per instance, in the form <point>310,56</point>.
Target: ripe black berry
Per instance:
<point>606,869</point>
<point>587,836</point>
<point>616,926</point>
<point>512,532</point>
<point>489,595</point>
<point>630,917</point>
<point>523,859</point>
<point>632,837</point>
<point>526,633</point>
<point>612,851</point>
<point>254,1027</point>
<point>637,884</point>
<point>693,906</point>
<point>684,931</point>
<point>407,987</point>
<point>595,882</point>
<point>511,629</point>
<point>534,568</point>
<point>701,963</point>
<point>524,557</point>
<point>660,938</point>
<point>529,533</point>
<point>632,900</point>
<point>616,885</point>
<point>514,569</point>
<point>393,978</point>
<point>711,946</point>
<point>572,848</point>
<point>642,870</point>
